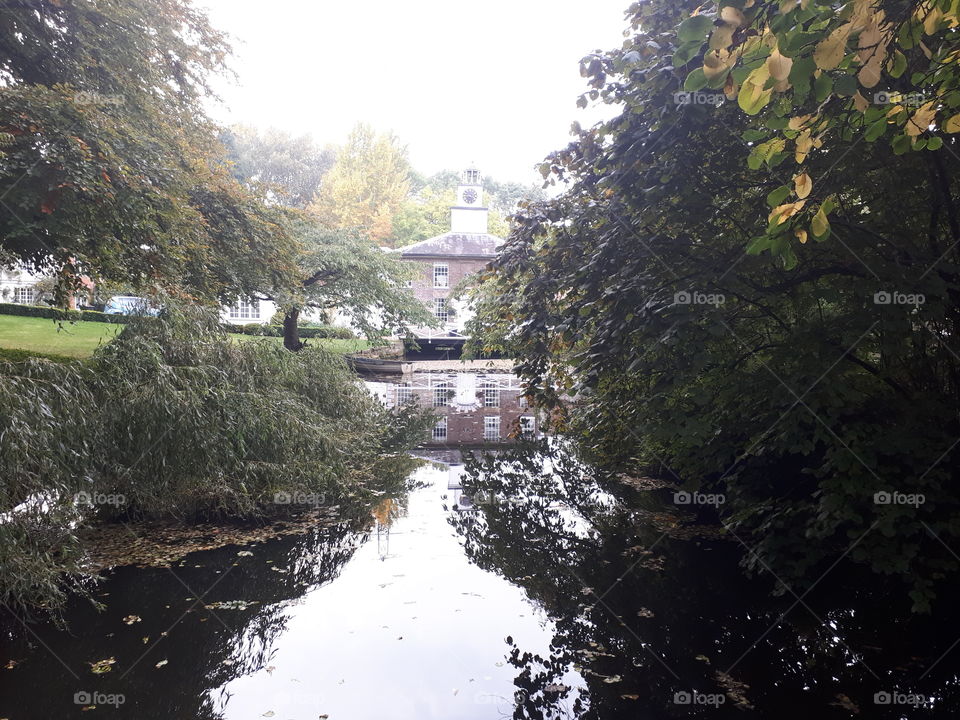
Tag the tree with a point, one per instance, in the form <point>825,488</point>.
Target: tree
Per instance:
<point>343,270</point>
<point>292,168</point>
<point>818,77</point>
<point>366,186</point>
<point>809,391</point>
<point>110,166</point>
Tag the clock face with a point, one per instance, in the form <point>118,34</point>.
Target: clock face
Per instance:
<point>470,196</point>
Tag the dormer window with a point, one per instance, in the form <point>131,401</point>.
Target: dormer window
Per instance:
<point>471,177</point>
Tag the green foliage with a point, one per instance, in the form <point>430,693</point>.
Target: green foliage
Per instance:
<point>114,169</point>
<point>798,388</point>
<point>172,420</point>
<point>58,314</point>
<point>306,331</point>
<point>820,77</point>
<point>290,168</point>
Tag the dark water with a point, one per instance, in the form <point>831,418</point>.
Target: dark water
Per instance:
<point>529,586</point>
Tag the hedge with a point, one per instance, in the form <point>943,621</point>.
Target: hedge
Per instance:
<point>306,331</point>
<point>53,313</point>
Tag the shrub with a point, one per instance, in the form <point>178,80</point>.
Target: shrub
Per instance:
<point>175,421</point>
<point>53,313</point>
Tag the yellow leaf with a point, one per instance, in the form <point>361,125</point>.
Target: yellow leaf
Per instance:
<point>921,119</point>
<point>802,184</point>
<point>801,235</point>
<point>819,225</point>
<point>753,96</point>
<point>932,20</point>
<point>798,122</point>
<point>779,65</point>
<point>733,16</point>
<point>717,62</point>
<point>860,102</point>
<point>953,124</point>
<point>787,6</point>
<point>831,50</point>
<point>804,144</point>
<point>782,213</point>
<point>870,73</point>
<point>721,37</point>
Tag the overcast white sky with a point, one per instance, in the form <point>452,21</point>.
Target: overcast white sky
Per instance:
<point>494,81</point>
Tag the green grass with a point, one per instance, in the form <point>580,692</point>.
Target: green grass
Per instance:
<point>48,337</point>
<point>39,336</point>
<point>336,345</point>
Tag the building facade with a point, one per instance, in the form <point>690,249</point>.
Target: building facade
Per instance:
<point>444,262</point>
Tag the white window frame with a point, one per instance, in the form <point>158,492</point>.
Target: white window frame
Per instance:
<point>441,394</point>
<point>439,432</point>
<point>471,177</point>
<point>491,427</point>
<point>24,295</point>
<point>441,310</point>
<point>404,394</point>
<point>245,309</point>
<point>441,275</point>
<point>491,393</point>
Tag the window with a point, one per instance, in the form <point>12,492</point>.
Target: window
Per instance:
<point>527,425</point>
<point>441,275</point>
<point>441,394</point>
<point>491,393</point>
<point>471,177</point>
<point>440,309</point>
<point>522,401</point>
<point>23,295</point>
<point>404,394</point>
<point>245,309</point>
<point>491,428</point>
<point>440,430</point>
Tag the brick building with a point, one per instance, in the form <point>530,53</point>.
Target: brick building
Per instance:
<point>475,409</point>
<point>445,260</point>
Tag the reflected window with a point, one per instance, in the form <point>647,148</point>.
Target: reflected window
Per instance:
<point>440,310</point>
<point>440,430</point>
<point>491,428</point>
<point>527,425</point>
<point>404,394</point>
<point>441,394</point>
<point>522,401</point>
<point>491,393</point>
<point>441,275</point>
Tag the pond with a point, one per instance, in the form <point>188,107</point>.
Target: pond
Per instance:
<point>510,581</point>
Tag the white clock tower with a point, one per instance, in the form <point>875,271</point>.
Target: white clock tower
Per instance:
<point>469,214</point>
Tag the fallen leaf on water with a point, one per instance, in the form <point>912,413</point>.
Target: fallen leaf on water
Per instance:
<point>146,639</point>
<point>612,679</point>
<point>102,666</point>
<point>131,619</point>
<point>271,669</point>
<point>161,663</point>
<point>268,713</point>
<point>244,553</point>
<point>11,664</point>
<point>629,697</point>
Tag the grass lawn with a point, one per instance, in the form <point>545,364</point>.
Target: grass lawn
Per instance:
<point>41,335</point>
<point>79,340</point>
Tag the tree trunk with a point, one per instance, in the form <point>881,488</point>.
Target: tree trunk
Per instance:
<point>291,331</point>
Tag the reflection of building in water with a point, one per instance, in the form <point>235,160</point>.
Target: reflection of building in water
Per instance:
<point>474,408</point>
<point>384,513</point>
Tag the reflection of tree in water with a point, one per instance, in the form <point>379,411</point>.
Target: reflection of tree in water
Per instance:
<point>647,606</point>
<point>205,649</point>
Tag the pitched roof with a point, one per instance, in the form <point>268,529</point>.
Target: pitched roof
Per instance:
<point>451,244</point>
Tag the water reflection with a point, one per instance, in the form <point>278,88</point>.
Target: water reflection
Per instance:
<point>475,408</point>
<point>662,622</point>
